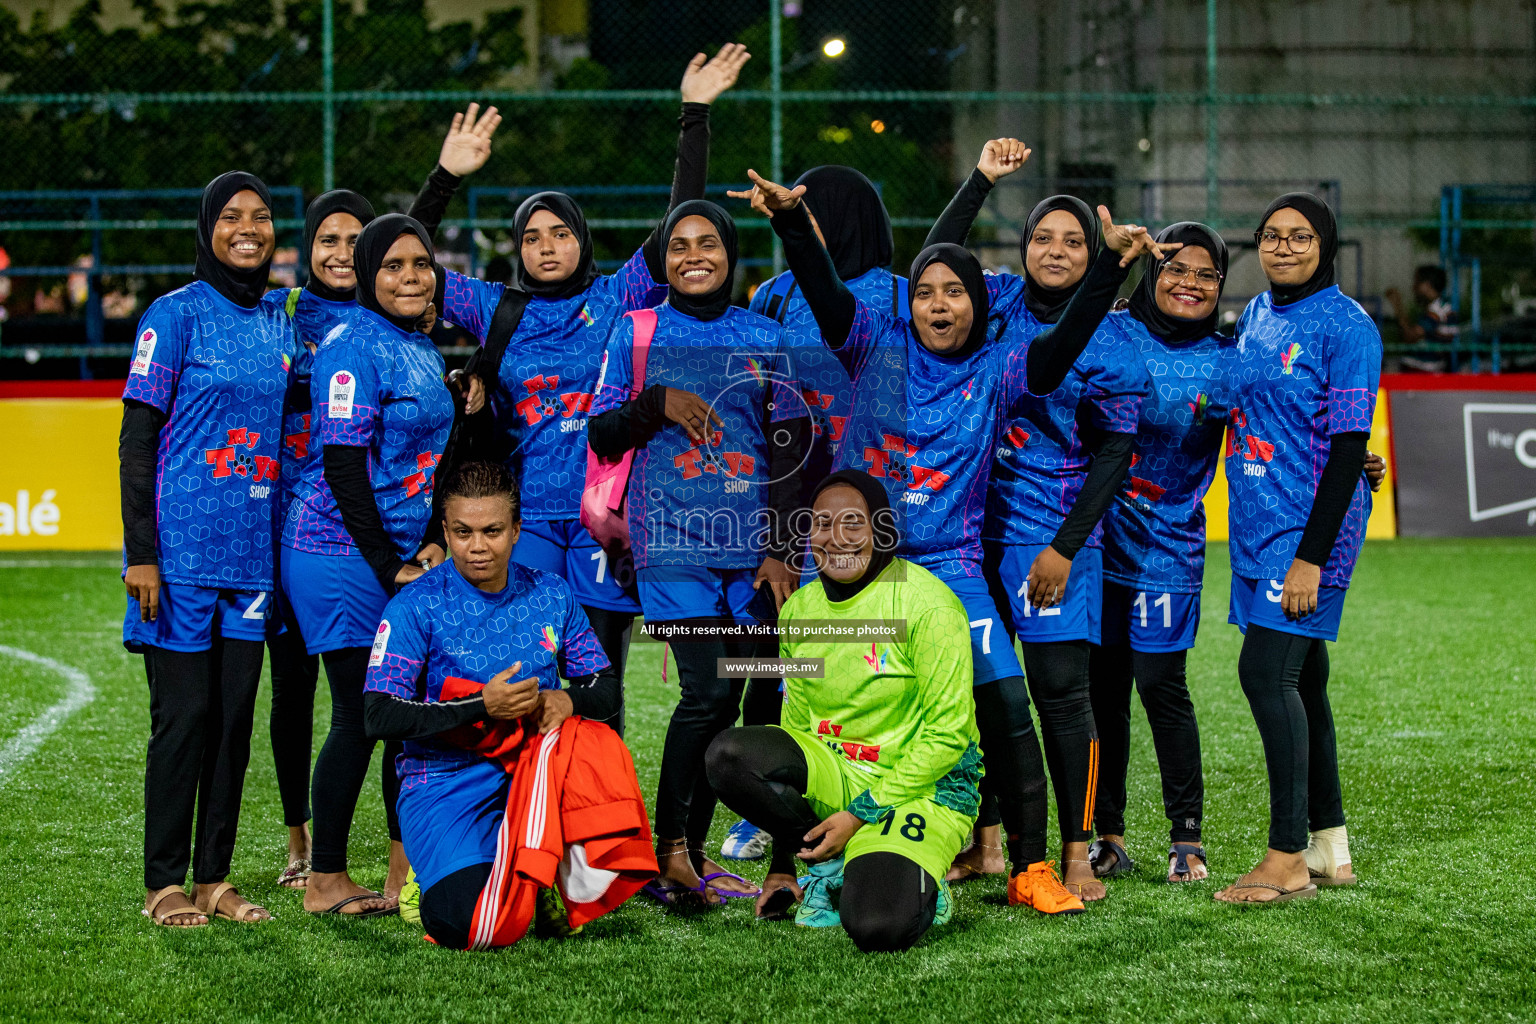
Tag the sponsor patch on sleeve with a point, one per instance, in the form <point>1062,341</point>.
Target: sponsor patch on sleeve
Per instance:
<point>343,384</point>
<point>144,352</point>
<point>380,645</point>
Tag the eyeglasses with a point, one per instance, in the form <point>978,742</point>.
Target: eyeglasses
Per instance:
<point>1297,241</point>
<point>1204,277</point>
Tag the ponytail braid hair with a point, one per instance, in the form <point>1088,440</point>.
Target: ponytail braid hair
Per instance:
<point>482,480</point>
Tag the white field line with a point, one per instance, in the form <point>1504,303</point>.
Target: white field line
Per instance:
<point>81,692</point>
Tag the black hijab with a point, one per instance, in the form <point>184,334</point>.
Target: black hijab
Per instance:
<point>242,287</point>
<point>882,523</point>
<point>338,200</point>
<point>1321,218</point>
<point>372,246</point>
<point>968,269</point>
<point>1172,329</point>
<point>1047,304</point>
<point>715,303</point>
<point>567,209</point>
<point>851,217</point>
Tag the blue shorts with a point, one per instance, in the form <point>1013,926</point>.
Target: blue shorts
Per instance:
<point>449,820</point>
<point>565,548</point>
<point>672,592</point>
<point>1150,621</point>
<point>1077,617</point>
<point>191,616</point>
<point>337,601</point>
<point>992,656</point>
<point>1257,603</point>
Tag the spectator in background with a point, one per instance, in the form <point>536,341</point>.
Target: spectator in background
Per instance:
<point>1425,339</point>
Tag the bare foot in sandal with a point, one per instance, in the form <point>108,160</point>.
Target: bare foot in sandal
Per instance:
<point>983,857</point>
<point>1191,860</point>
<point>173,908</point>
<point>1078,875</point>
<point>1277,875</point>
<point>222,899</point>
<point>706,867</point>
<point>296,874</point>
<point>327,889</point>
<point>677,870</point>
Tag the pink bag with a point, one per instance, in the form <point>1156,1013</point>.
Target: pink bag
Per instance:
<point>602,499</point>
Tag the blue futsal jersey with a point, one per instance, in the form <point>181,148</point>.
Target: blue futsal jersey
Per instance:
<point>548,376</point>
<point>704,504</point>
<point>378,387</point>
<point>220,372</point>
<point>442,625</point>
<point>1301,373</point>
<point>923,424</point>
<point>824,381</point>
<point>1041,458</point>
<point>1154,532</point>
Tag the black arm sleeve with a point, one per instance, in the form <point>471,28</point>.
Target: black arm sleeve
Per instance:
<point>1106,472</point>
<point>830,300</point>
<point>954,224</point>
<point>387,717</point>
<point>631,425</point>
<point>346,471</point>
<point>689,176</point>
<point>1053,352</point>
<point>138,446</point>
<point>597,697</point>
<point>1335,489</point>
<point>433,199</point>
<point>787,441</point>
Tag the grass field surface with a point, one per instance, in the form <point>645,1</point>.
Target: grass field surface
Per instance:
<point>1434,693</point>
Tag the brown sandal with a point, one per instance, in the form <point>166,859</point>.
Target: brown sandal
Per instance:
<point>242,913</point>
<point>152,909</point>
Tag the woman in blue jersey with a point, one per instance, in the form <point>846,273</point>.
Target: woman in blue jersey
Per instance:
<point>202,414</point>
<point>541,379</point>
<point>931,393</point>
<point>1056,466</point>
<point>332,224</point>
<point>1304,377</point>
<point>358,528</point>
<point>718,435</point>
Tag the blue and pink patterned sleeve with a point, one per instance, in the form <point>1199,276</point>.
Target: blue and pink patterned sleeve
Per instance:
<point>635,287</point>
<point>344,390</point>
<point>868,326</point>
<point>1354,375</point>
<point>400,649</point>
<point>1004,293</point>
<point>470,302</point>
<point>1117,383</point>
<point>580,653</point>
<point>614,378</point>
<point>157,357</point>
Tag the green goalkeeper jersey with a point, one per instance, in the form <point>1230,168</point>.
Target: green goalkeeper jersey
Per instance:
<point>900,714</point>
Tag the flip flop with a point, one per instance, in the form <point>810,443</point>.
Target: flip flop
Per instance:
<point>726,893</point>
<point>778,906</point>
<point>1101,849</point>
<point>296,871</point>
<point>335,908</point>
<point>1306,892</point>
<point>1181,852</point>
<point>678,897</point>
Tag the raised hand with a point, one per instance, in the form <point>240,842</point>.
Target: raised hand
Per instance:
<point>1001,157</point>
<point>1131,240</point>
<point>467,145</point>
<point>769,197</point>
<point>704,80</point>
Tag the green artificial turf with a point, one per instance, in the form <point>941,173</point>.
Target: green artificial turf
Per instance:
<point>1432,691</point>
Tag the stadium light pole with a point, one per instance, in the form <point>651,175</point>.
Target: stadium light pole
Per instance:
<point>776,108</point>
<point>1212,142</point>
<point>328,87</point>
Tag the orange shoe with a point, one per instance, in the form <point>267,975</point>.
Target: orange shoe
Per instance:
<point>1041,887</point>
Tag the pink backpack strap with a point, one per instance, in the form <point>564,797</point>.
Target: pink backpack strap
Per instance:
<point>645,330</point>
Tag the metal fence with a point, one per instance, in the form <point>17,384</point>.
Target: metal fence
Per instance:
<point>1166,110</point>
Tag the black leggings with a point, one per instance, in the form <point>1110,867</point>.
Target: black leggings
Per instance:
<point>613,632</point>
<point>292,723</point>
<point>201,705</point>
<point>1159,678</point>
<point>1013,788</point>
<point>888,901</point>
<point>1058,682</point>
<point>343,763</point>
<point>448,908</point>
<point>1285,678</point>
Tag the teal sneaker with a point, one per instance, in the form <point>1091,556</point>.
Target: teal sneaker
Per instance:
<point>822,887</point>
<point>410,900</point>
<point>946,908</point>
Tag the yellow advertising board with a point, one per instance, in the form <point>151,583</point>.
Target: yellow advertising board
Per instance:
<point>58,476</point>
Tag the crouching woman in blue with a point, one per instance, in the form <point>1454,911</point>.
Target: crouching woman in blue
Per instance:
<point>480,616</point>
<point>718,434</point>
<point>1304,376</point>
<point>202,415</point>
<point>355,534</point>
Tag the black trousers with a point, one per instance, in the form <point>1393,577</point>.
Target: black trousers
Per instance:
<point>343,763</point>
<point>448,908</point>
<point>613,631</point>
<point>1160,679</point>
<point>295,672</point>
<point>201,707</point>
<point>1013,788</point>
<point>1058,682</point>
<point>1285,678</point>
<point>685,803</point>
<point>888,901</point>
